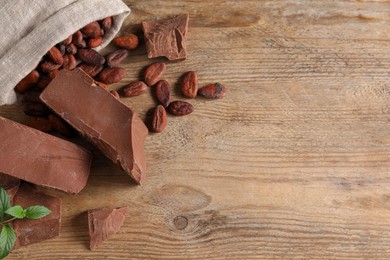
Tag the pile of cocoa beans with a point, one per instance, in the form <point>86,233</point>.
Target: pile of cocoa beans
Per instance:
<point>77,51</point>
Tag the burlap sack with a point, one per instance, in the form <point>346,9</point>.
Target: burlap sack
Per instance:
<point>28,29</point>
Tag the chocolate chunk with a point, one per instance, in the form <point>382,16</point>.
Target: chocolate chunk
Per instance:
<point>35,230</point>
<point>42,159</point>
<point>10,184</point>
<point>167,37</point>
<point>104,223</point>
<point>101,118</point>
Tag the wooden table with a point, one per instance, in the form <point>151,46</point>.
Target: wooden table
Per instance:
<point>293,163</point>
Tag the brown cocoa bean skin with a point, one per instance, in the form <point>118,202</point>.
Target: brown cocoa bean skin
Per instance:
<point>71,49</point>
<point>77,38</point>
<point>180,108</point>
<point>69,62</point>
<point>60,125</point>
<point>189,84</point>
<point>163,92</point>
<point>39,123</point>
<point>36,109</point>
<point>115,94</point>
<point>67,40</point>
<point>116,57</point>
<point>92,30</point>
<point>91,70</point>
<point>47,66</point>
<point>55,55</point>
<point>32,95</point>
<point>62,48</point>
<point>43,82</point>
<point>94,42</point>
<point>159,121</point>
<point>111,75</point>
<point>52,74</point>
<point>135,88</point>
<point>27,82</point>
<point>213,91</point>
<point>90,56</point>
<point>101,84</point>
<point>154,72</point>
<point>129,42</point>
<point>106,24</point>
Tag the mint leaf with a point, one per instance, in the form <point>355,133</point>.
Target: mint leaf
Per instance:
<point>16,211</point>
<point>36,212</point>
<point>5,202</point>
<point>7,240</point>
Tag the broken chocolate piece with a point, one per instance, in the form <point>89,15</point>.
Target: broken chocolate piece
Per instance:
<point>167,37</point>
<point>10,184</point>
<point>42,159</point>
<point>35,230</point>
<point>101,118</point>
<point>103,223</point>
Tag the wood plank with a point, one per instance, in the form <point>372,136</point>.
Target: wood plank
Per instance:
<point>292,163</point>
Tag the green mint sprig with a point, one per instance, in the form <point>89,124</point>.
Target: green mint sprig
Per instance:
<point>8,213</point>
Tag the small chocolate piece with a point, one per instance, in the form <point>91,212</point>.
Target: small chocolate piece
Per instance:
<point>10,184</point>
<point>42,159</point>
<point>104,223</point>
<point>30,231</point>
<point>167,37</point>
<point>101,118</point>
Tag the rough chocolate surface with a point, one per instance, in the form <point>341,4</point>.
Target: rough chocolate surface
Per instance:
<point>42,159</point>
<point>35,230</point>
<point>10,184</point>
<point>101,118</point>
<point>167,37</point>
<point>103,223</point>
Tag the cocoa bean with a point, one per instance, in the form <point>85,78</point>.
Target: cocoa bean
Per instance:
<point>107,23</point>
<point>90,56</point>
<point>101,84</point>
<point>62,48</point>
<point>116,57</point>
<point>68,40</point>
<point>60,125</point>
<point>189,84</point>
<point>91,70</point>
<point>71,49</point>
<point>94,42</point>
<point>27,82</point>
<point>159,121</point>
<point>69,62</point>
<point>154,72</point>
<point>47,66</point>
<point>129,42</point>
<point>163,92</point>
<point>36,109</point>
<point>92,30</point>
<point>55,55</point>
<point>135,88</point>
<point>213,91</point>
<point>180,108</point>
<point>115,94</point>
<point>39,123</point>
<point>43,82</point>
<point>111,75</point>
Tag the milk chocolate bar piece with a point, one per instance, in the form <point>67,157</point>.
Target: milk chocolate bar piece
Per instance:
<point>167,37</point>
<point>10,184</point>
<point>35,230</point>
<point>103,223</point>
<point>101,118</point>
<point>42,159</point>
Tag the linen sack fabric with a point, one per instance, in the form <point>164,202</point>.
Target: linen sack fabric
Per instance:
<point>28,29</point>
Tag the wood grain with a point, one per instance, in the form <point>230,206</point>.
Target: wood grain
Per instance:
<point>293,163</point>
